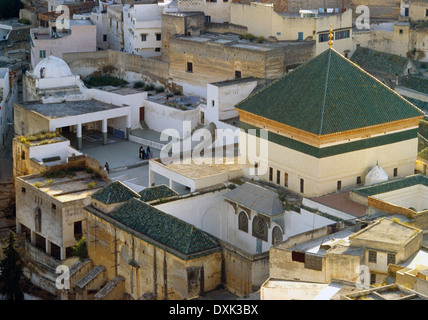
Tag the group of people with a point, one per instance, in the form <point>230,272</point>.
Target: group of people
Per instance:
<point>145,154</point>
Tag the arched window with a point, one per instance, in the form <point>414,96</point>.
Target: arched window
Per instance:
<point>243,221</point>
<point>276,235</point>
<point>260,229</point>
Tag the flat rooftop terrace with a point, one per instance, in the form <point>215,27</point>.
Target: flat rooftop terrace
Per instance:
<point>232,40</point>
<point>74,185</point>
<point>68,108</point>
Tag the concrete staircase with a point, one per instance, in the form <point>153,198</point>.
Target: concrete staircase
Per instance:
<point>144,125</point>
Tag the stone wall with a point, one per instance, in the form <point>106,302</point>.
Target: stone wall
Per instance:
<point>148,268</point>
<point>118,63</point>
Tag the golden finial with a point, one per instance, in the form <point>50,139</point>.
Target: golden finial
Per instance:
<point>330,43</point>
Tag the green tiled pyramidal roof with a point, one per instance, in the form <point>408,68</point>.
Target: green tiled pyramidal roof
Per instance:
<point>329,94</point>
<point>156,193</point>
<point>115,192</point>
<point>163,228</point>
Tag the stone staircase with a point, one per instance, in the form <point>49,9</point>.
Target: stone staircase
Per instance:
<point>144,125</point>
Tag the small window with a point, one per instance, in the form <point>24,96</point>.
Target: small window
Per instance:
<point>406,12</point>
<point>189,67</point>
<point>426,12</point>
<point>345,34</point>
<point>339,185</point>
<point>373,278</point>
<point>391,258</point>
<point>144,37</point>
<point>372,256</point>
<point>207,19</point>
<point>157,49</point>
<point>212,103</point>
<point>285,179</point>
<point>395,172</point>
<point>158,36</point>
<point>23,155</point>
<point>104,38</point>
<point>42,53</point>
<point>300,36</point>
<point>359,180</point>
<point>23,190</point>
<point>323,37</point>
<point>278,177</point>
<point>53,206</point>
<point>271,174</point>
<point>302,185</point>
<point>401,31</point>
<point>237,74</point>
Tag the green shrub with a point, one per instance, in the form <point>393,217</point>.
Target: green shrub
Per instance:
<point>80,250</point>
<point>139,84</point>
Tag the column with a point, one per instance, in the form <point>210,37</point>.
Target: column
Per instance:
<point>128,126</point>
<point>33,238</point>
<point>104,130</point>
<point>151,177</point>
<point>62,252</point>
<point>48,246</point>
<point>79,136</point>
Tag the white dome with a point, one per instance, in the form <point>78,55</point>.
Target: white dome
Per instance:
<point>54,68</point>
<point>376,175</point>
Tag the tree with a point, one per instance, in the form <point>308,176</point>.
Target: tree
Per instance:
<point>10,8</point>
<point>80,250</point>
<point>11,270</point>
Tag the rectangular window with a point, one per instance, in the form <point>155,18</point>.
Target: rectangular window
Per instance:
<point>42,53</point>
<point>298,256</point>
<point>373,278</point>
<point>23,190</point>
<point>401,31</point>
<point>406,12</point>
<point>300,36</point>
<point>372,256</point>
<point>278,177</point>
<point>302,186</point>
<point>189,67</point>
<point>359,180</point>
<point>143,37</point>
<point>104,38</point>
<point>285,179</point>
<point>237,74</point>
<point>426,12</point>
<point>271,174</point>
<point>391,258</point>
<point>395,172</point>
<point>158,36</point>
<point>339,185</point>
<point>207,19</point>
<point>345,34</point>
<point>323,37</point>
<point>212,103</point>
<point>157,49</point>
<point>53,206</point>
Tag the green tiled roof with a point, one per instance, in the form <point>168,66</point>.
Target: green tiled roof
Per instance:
<point>329,94</point>
<point>163,228</point>
<point>156,193</point>
<point>392,185</point>
<point>115,192</point>
<point>379,61</point>
<point>416,83</point>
